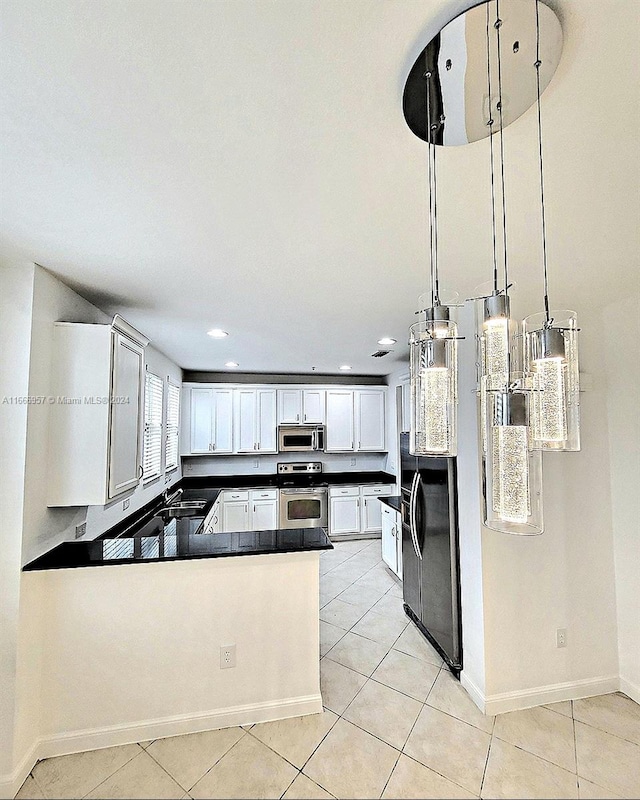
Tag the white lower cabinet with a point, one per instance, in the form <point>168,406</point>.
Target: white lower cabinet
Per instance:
<point>235,516</point>
<point>391,538</point>
<point>344,515</point>
<point>356,509</point>
<point>246,510</point>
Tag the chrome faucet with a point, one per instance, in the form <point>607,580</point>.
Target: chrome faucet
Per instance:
<point>169,499</point>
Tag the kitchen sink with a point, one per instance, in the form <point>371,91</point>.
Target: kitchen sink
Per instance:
<point>184,508</point>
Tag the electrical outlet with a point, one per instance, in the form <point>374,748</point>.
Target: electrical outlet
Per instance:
<point>227,656</point>
<point>256,463</point>
<point>353,462</point>
<point>561,637</point>
<point>125,504</point>
<point>81,530</point>
<point>188,467</point>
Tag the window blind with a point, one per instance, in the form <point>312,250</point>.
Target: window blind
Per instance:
<point>173,421</point>
<point>152,445</point>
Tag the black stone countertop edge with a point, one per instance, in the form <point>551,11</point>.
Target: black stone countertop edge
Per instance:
<point>70,555</point>
<point>394,502</point>
<point>250,481</point>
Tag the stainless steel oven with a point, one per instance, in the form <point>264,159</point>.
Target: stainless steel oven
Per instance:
<point>302,505</point>
<point>300,438</point>
<point>304,508</point>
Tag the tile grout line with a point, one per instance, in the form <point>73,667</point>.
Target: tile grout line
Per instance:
<point>122,766</point>
<point>218,760</point>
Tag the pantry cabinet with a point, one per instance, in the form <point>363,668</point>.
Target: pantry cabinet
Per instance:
<point>95,419</point>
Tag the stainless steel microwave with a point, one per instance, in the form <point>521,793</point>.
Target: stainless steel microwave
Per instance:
<point>300,438</point>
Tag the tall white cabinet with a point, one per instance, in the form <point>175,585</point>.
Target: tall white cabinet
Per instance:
<point>211,428</point>
<point>355,420</point>
<point>95,418</point>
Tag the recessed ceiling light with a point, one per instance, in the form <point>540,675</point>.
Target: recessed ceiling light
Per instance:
<point>232,364</point>
<point>217,333</point>
<point>345,367</point>
<point>387,340</point>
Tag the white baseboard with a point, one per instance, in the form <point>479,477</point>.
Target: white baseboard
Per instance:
<point>632,690</point>
<point>541,695</point>
<point>472,690</point>
<point>10,784</point>
<point>113,735</point>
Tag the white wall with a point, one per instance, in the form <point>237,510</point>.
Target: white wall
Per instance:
<point>45,527</point>
<point>133,652</point>
<point>621,327</point>
<point>562,579</point>
<point>16,290</point>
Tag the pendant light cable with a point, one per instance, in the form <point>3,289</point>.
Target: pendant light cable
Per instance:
<point>429,172</point>
<point>435,225</point>
<point>493,186</point>
<point>538,64</point>
<point>498,25</point>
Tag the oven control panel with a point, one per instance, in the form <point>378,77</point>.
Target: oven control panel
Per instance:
<point>300,467</point>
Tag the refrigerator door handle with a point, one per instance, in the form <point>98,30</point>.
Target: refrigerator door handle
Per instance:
<point>412,514</point>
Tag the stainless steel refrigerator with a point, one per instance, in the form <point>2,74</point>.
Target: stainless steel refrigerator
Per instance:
<point>430,551</point>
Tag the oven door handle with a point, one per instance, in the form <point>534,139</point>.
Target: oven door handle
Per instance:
<point>412,514</point>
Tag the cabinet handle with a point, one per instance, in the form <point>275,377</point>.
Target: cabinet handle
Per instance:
<point>297,417</point>
<point>141,468</point>
<point>213,446</point>
<point>254,508</point>
<point>258,445</point>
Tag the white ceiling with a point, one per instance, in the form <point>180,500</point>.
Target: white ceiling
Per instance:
<point>245,164</point>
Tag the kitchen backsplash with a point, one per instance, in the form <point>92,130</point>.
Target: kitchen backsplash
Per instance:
<point>266,464</point>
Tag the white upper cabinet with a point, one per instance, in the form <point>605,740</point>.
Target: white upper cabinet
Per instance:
<point>95,425</point>
<point>124,441</point>
<point>340,424</point>
<point>370,420</point>
<point>255,420</point>
<point>289,406</point>
<point>244,419</point>
<point>301,406</point>
<point>266,433</point>
<point>211,420</point>
<point>313,406</point>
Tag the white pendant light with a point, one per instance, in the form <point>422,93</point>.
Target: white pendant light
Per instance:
<point>551,344</point>
<point>433,341</point>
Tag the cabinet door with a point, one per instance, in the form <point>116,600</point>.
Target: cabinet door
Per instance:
<point>264,515</point>
<point>339,433</point>
<point>245,421</point>
<point>398,534</point>
<point>127,365</point>
<point>289,406</point>
<point>222,441</point>
<point>370,420</point>
<point>266,421</point>
<point>371,515</point>
<point>201,406</point>
<point>389,544</point>
<point>235,516</point>
<point>313,406</point>
<point>216,517</point>
<point>345,515</point>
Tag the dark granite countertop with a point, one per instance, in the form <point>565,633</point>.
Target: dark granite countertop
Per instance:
<point>150,535</point>
<point>179,540</point>
<point>394,502</point>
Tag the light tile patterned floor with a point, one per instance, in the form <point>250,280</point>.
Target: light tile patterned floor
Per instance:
<point>396,725</point>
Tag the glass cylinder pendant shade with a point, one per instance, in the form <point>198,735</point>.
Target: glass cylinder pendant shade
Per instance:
<point>551,359</point>
<point>497,334</point>
<point>512,469</point>
<point>434,389</point>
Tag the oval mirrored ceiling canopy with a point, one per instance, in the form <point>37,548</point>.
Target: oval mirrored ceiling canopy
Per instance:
<point>463,61</point>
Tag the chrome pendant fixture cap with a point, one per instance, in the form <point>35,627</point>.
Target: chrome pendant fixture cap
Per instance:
<point>496,306</point>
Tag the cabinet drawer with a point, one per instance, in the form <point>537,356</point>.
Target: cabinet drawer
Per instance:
<point>383,491</point>
<point>237,495</point>
<point>344,491</point>
<point>264,494</point>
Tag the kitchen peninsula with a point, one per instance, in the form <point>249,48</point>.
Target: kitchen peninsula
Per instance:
<point>141,649</point>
